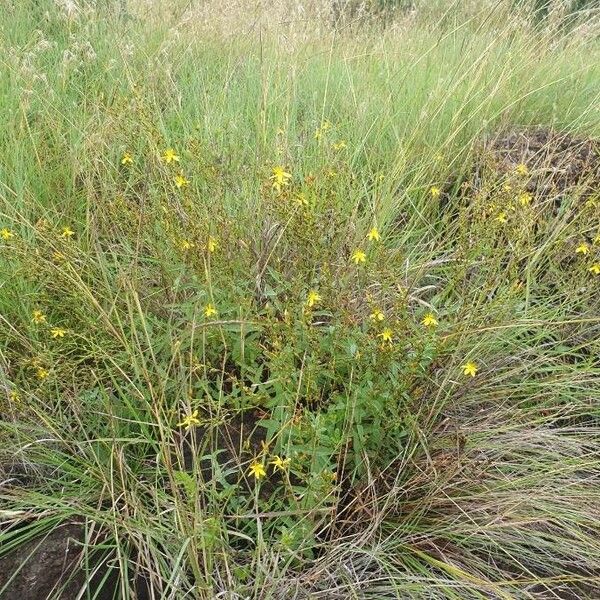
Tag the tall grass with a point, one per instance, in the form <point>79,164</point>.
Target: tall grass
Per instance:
<point>406,477</point>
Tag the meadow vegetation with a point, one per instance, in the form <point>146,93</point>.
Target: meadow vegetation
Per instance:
<point>300,307</point>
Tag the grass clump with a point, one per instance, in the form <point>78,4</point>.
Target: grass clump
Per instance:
<point>281,317</point>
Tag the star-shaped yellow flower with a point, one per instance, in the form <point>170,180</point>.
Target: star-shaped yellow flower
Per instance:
<point>595,269</point>
<point>429,320</point>
<point>470,368</point>
<point>210,311</point>
<point>583,248</point>
<point>524,198</point>
<point>257,469</point>
<point>170,156</point>
<point>38,317</point>
<point>313,298</point>
<point>42,373</point>
<point>501,217</point>
<point>373,235</point>
<point>521,169</point>
<point>127,159</point>
<point>280,464</point>
<point>387,335</point>
<point>6,234</point>
<point>190,420</point>
<point>58,332</point>
<point>358,256</point>
<point>280,178</point>
<point>67,232</point>
<point>435,192</point>
<point>181,181</point>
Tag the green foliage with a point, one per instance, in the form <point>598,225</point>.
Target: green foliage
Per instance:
<point>195,360</point>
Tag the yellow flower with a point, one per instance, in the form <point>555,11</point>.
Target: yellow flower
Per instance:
<point>429,320</point>
<point>339,145</point>
<point>6,234</point>
<point>58,332</point>
<point>377,315</point>
<point>595,269</point>
<point>435,192</point>
<point>358,256</point>
<point>210,311</point>
<point>127,159</point>
<point>583,248</point>
<point>190,420</point>
<point>67,232</point>
<point>470,368</point>
<point>42,373</point>
<point>313,298</point>
<point>181,181</point>
<point>280,464</point>
<point>521,169</point>
<point>386,335</point>
<point>170,156</point>
<point>501,218</point>
<point>212,244</point>
<point>38,317</point>
<point>280,178</point>
<point>186,245</point>
<point>524,198</point>
<point>14,396</point>
<point>373,235</point>
<point>257,469</point>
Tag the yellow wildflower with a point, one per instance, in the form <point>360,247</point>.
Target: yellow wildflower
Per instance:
<point>470,368</point>
<point>127,159</point>
<point>280,178</point>
<point>313,298</point>
<point>339,145</point>
<point>280,464</point>
<point>583,248</point>
<point>429,320</point>
<point>377,315</point>
<point>524,198</point>
<point>386,335</point>
<point>373,235</point>
<point>180,180</point>
<point>58,332</point>
<point>170,156</point>
<point>501,218</point>
<point>38,317</point>
<point>358,256</point>
<point>595,269</point>
<point>14,396</point>
<point>212,244</point>
<point>210,311</point>
<point>257,469</point>
<point>521,169</point>
<point>190,420</point>
<point>6,234</point>
<point>67,232</point>
<point>186,245</point>
<point>42,373</point>
<point>435,192</point>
